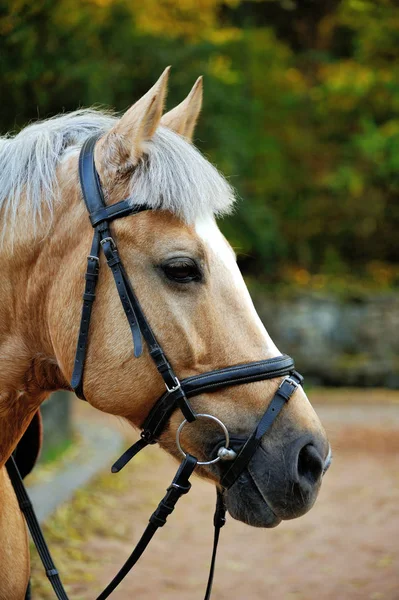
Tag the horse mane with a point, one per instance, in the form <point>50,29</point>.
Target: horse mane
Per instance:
<point>172,175</point>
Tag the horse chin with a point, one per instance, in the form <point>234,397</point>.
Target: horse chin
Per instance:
<point>246,503</point>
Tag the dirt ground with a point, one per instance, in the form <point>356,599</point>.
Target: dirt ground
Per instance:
<point>345,548</point>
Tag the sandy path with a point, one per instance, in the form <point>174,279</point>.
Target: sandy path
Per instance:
<point>347,547</point>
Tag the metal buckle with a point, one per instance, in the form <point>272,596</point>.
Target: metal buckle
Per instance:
<point>287,392</point>
<point>291,382</point>
<point>91,257</point>
<point>174,388</point>
<point>110,240</point>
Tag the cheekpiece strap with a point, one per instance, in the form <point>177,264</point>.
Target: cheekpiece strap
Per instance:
<point>101,216</point>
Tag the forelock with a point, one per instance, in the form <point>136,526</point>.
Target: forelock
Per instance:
<point>173,175</point>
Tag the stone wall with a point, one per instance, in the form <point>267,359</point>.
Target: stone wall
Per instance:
<point>335,341</point>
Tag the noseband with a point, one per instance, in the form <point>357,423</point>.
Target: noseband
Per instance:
<point>177,393</point>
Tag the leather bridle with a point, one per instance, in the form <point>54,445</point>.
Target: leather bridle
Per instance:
<point>177,392</point>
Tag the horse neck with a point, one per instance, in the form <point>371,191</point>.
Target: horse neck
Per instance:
<point>29,262</point>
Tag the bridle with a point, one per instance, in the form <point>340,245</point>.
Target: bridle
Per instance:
<point>177,392</point>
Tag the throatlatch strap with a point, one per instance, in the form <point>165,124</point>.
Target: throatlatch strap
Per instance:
<point>34,528</point>
<point>179,486</point>
<point>89,295</point>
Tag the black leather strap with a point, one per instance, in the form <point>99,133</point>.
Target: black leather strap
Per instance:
<point>89,179</point>
<point>94,200</point>
<point>212,381</point>
<point>270,368</point>
<point>179,486</point>
<point>129,454</point>
<point>89,295</point>
<point>114,262</point>
<point>282,395</point>
<point>219,520</point>
<point>34,528</point>
<point>121,209</point>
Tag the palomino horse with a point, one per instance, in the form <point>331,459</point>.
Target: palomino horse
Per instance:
<point>187,281</point>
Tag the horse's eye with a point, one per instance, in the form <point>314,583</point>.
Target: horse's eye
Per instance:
<point>182,270</point>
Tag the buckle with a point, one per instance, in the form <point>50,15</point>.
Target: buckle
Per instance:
<point>110,240</point>
<point>176,387</point>
<point>282,388</point>
<point>91,257</point>
<point>291,382</point>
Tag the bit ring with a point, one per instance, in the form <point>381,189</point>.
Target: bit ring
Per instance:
<point>212,418</point>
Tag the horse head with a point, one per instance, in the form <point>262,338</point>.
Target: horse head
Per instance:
<point>185,276</point>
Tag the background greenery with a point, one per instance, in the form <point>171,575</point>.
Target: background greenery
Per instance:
<point>301,111</point>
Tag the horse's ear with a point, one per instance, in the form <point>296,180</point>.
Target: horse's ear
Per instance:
<point>183,118</point>
<point>124,144</point>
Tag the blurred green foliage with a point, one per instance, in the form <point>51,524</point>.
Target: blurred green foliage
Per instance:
<point>301,108</point>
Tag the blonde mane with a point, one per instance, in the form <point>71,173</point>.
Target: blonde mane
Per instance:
<point>172,174</point>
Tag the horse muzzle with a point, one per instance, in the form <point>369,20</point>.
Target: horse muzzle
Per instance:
<point>279,483</point>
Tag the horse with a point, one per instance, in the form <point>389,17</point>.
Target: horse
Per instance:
<point>186,278</point>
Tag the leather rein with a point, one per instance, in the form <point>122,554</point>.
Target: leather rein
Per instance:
<point>177,393</point>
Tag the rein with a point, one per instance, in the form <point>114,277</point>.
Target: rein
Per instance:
<point>177,393</point>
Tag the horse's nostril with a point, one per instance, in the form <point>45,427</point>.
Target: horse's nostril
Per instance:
<point>310,464</point>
